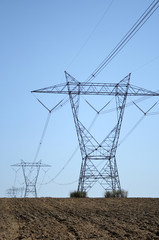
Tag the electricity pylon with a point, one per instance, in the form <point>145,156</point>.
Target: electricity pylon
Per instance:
<point>14,191</point>
<point>31,173</point>
<point>92,151</point>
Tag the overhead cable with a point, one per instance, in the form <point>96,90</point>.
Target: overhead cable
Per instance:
<point>46,125</point>
<point>133,30</point>
<point>61,170</point>
<point>66,184</point>
<point>139,121</point>
<point>73,154</point>
<point>91,33</point>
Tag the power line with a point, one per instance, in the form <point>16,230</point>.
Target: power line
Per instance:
<point>145,64</point>
<point>42,137</point>
<point>76,149</point>
<point>133,30</point>
<point>91,33</point>
<point>73,154</point>
<point>153,113</point>
<point>139,121</point>
<point>61,170</point>
<point>46,123</point>
<point>42,180</point>
<point>132,129</point>
<point>91,125</point>
<point>66,184</point>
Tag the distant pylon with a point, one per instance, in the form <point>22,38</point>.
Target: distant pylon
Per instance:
<point>31,173</point>
<point>14,191</point>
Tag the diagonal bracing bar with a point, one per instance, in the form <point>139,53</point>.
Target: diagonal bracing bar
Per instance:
<point>98,158</point>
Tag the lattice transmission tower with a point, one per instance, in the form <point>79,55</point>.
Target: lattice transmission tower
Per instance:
<point>14,192</point>
<point>30,172</point>
<point>98,158</point>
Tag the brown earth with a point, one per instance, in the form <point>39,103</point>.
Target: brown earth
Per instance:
<point>67,218</point>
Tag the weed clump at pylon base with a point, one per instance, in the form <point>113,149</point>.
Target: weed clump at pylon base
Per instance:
<point>78,194</point>
<point>116,194</point>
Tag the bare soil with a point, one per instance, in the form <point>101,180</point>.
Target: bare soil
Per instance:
<point>89,218</point>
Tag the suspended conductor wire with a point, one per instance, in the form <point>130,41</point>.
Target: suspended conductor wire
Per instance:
<point>73,154</point>
<point>61,170</point>
<point>132,129</point>
<point>153,113</point>
<point>133,30</point>
<point>44,130</point>
<point>97,113</point>
<point>101,108</point>
<point>145,113</point>
<point>42,137</point>
<point>151,107</point>
<point>100,111</point>
<point>129,104</point>
<point>145,64</point>
<point>91,33</point>
<point>42,180</point>
<point>46,124</point>
<point>139,121</point>
<point>66,184</point>
<point>93,122</point>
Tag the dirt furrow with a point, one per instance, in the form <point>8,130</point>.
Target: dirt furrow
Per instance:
<point>79,219</point>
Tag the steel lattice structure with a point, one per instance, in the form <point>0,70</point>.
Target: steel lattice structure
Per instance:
<point>92,151</point>
<point>31,173</point>
<point>13,192</point>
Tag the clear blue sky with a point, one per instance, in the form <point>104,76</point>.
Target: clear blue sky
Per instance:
<point>39,41</point>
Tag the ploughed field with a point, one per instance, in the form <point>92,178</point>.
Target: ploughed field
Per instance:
<point>72,218</point>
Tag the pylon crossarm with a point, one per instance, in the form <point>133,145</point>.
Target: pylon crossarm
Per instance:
<point>30,164</point>
<point>138,91</point>
<point>96,89</point>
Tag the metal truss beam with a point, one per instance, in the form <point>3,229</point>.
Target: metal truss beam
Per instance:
<point>82,88</point>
